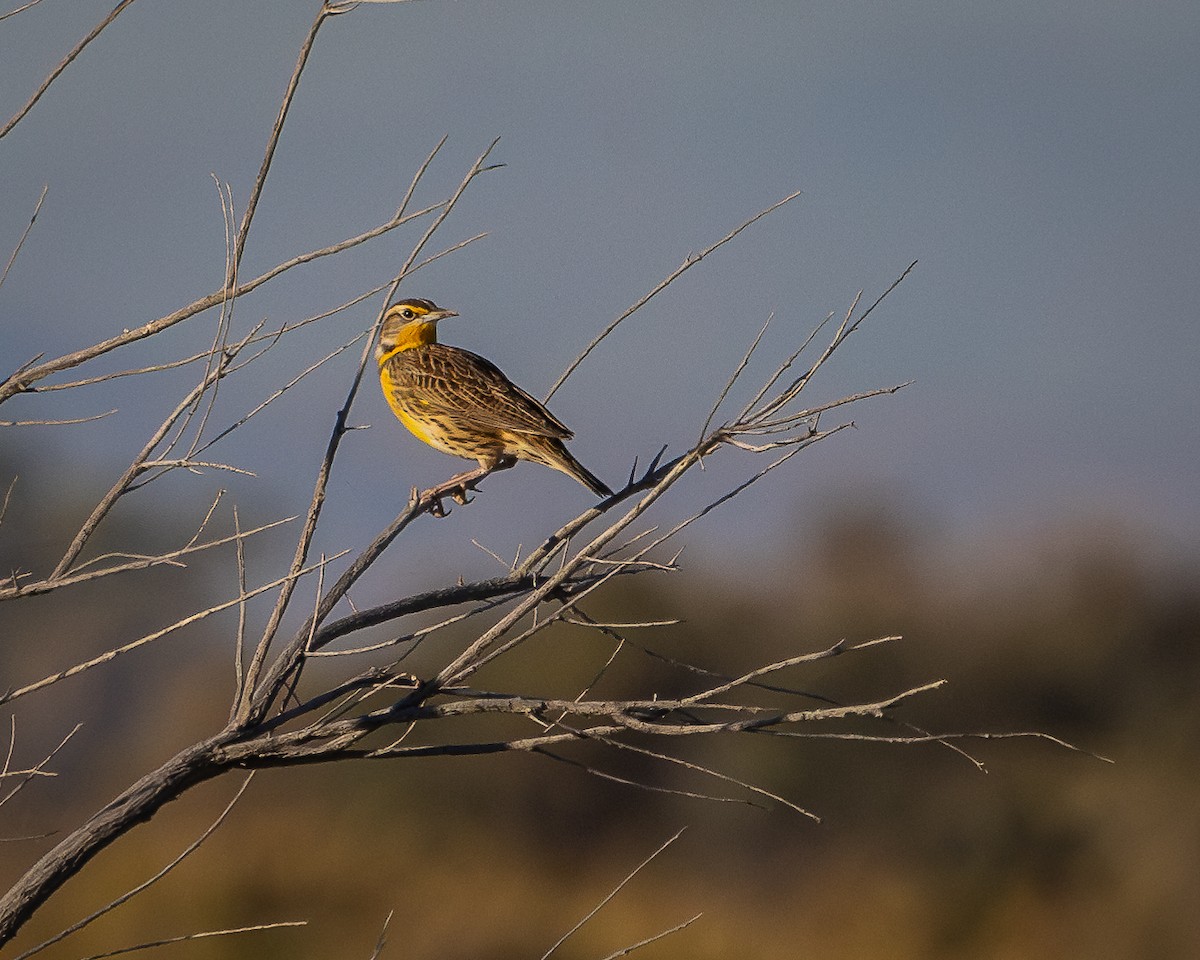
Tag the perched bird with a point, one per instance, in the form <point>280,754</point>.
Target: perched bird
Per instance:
<point>460,403</point>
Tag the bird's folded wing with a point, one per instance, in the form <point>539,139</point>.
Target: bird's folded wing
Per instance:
<point>466,386</point>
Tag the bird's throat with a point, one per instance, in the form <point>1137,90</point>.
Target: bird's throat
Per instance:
<point>409,336</point>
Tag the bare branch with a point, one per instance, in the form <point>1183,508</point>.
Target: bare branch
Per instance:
<point>8,492</point>
<point>198,936</point>
<point>63,64</point>
<point>241,421</point>
<point>625,951</point>
<point>612,893</point>
<point>831,651</point>
<point>23,378</point>
<point>136,467</point>
<point>137,563</point>
<point>151,637</point>
<point>733,378</point>
<point>20,9</point>
<point>687,264</point>
<point>382,939</point>
<point>945,739</point>
<point>347,5</point>
<point>260,181</point>
<point>36,207</point>
<point>282,714</point>
<point>595,771</point>
<point>56,423</point>
<point>38,770</point>
<point>271,337</point>
<point>130,894</point>
<point>289,659</point>
<point>605,737</point>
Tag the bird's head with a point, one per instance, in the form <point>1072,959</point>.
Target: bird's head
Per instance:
<point>409,323</point>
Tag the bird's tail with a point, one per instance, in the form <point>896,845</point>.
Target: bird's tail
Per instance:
<point>587,478</point>
<point>556,455</point>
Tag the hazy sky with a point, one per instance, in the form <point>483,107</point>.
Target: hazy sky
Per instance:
<point>1040,159</point>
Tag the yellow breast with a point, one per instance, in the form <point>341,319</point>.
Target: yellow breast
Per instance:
<point>393,399</point>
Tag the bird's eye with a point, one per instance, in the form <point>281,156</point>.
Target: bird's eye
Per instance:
<point>408,313</point>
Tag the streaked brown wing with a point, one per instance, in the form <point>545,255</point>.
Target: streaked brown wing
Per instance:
<point>462,384</point>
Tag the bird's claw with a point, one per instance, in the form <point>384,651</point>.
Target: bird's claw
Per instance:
<point>458,492</point>
<point>459,488</point>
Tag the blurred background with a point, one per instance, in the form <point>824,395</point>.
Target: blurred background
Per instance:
<point>1025,513</point>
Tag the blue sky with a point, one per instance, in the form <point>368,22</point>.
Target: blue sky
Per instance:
<point>1040,160</point>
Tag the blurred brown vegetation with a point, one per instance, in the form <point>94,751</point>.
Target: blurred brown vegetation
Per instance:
<point>1080,631</point>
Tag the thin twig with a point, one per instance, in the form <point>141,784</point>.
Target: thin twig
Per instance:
<point>612,893</point>
<point>8,492</point>
<point>38,769</point>
<point>29,373</point>
<point>57,423</point>
<point>687,264</point>
<point>276,394</point>
<point>63,64</point>
<point>20,9</point>
<point>120,487</point>
<point>130,894</point>
<point>139,563</point>
<point>239,652</point>
<point>625,951</point>
<point>382,939</point>
<point>36,207</point>
<point>260,181</point>
<point>151,637</point>
<point>734,376</point>
<point>197,936</point>
<point>594,771</point>
<point>288,660</point>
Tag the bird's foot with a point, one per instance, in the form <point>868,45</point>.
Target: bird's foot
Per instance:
<point>457,488</point>
<point>460,486</point>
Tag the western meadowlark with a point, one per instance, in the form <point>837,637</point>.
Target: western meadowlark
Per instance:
<point>461,404</point>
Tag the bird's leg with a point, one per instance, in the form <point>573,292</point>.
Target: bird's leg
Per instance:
<point>459,485</point>
<point>456,487</point>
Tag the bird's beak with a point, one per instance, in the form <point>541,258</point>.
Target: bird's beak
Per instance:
<point>435,315</point>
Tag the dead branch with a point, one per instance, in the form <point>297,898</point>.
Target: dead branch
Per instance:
<point>283,714</point>
<point>63,64</point>
<point>547,586</point>
<point>145,884</point>
<point>23,379</point>
<point>28,227</point>
<point>612,893</point>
